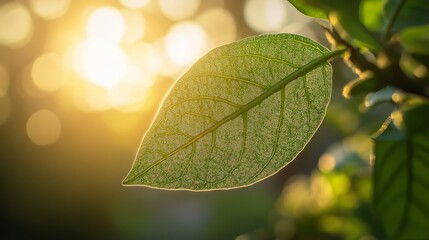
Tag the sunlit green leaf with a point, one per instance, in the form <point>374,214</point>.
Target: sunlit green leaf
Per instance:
<point>401,183</point>
<point>307,8</point>
<point>371,14</point>
<point>416,39</point>
<point>239,115</point>
<point>401,14</point>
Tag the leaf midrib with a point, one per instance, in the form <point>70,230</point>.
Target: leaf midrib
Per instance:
<point>275,88</point>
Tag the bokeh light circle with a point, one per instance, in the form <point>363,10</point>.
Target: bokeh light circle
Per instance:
<point>265,15</point>
<point>135,25</point>
<point>185,42</point>
<point>16,25</point>
<point>134,3</point>
<point>43,127</point>
<point>104,64</point>
<point>47,72</point>
<point>179,9</point>
<point>219,25</point>
<point>106,24</point>
<point>49,9</point>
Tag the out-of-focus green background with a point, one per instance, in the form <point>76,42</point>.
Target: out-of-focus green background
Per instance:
<point>80,82</point>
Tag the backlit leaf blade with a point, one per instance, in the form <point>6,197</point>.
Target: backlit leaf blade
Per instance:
<point>401,183</point>
<point>239,115</point>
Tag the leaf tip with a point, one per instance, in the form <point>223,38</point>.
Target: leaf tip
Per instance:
<point>127,181</point>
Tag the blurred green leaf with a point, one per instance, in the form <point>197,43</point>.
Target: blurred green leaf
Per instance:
<point>413,68</point>
<point>416,39</point>
<point>239,115</point>
<point>401,14</point>
<point>371,14</point>
<point>307,8</point>
<point>364,84</point>
<point>347,23</point>
<point>401,170</point>
<point>414,61</point>
<point>344,17</point>
<point>381,96</point>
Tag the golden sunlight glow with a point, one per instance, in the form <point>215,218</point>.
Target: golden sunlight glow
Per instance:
<point>134,3</point>
<point>104,63</point>
<point>185,42</point>
<point>27,84</point>
<point>49,9</point>
<point>43,127</point>
<point>167,66</point>
<point>91,98</point>
<point>16,25</point>
<point>265,15</point>
<point>4,81</point>
<point>135,25</point>
<point>96,98</point>
<point>130,93</point>
<point>120,79</point>
<point>127,97</point>
<point>179,9</point>
<point>145,56</point>
<point>219,26</point>
<point>47,72</point>
<point>106,24</point>
<point>4,109</point>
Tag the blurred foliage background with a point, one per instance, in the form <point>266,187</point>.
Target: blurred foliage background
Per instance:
<point>80,82</point>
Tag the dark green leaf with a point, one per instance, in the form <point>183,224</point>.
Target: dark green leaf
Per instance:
<point>239,115</point>
<point>345,18</point>
<point>401,170</point>
<point>307,8</point>
<point>416,39</point>
<point>364,84</point>
<point>401,14</point>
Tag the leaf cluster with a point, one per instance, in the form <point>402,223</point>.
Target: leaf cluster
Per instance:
<point>387,46</point>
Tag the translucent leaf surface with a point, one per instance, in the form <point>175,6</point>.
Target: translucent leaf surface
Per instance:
<point>401,183</point>
<point>239,115</point>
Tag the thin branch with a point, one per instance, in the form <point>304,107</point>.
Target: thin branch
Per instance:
<point>393,19</point>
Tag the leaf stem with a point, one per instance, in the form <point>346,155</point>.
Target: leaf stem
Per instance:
<point>393,19</point>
